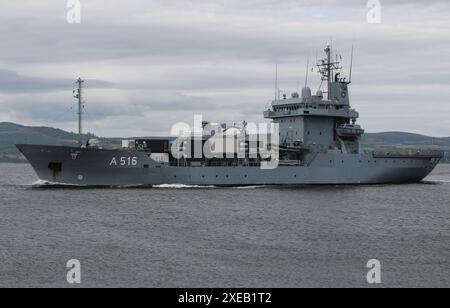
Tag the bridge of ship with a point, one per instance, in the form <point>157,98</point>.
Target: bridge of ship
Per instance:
<point>296,107</point>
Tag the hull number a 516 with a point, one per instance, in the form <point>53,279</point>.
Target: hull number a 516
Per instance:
<point>124,161</point>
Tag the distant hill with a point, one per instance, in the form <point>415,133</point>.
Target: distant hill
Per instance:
<point>401,138</point>
<point>11,134</point>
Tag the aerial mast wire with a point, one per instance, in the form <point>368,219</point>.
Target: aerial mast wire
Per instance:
<point>351,64</point>
<point>307,73</point>
<point>276,83</point>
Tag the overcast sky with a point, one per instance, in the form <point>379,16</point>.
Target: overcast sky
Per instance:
<point>152,63</point>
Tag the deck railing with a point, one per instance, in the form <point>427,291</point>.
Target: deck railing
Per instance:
<point>408,153</point>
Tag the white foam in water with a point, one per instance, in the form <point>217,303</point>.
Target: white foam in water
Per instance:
<point>41,183</point>
<point>437,181</point>
<point>179,186</point>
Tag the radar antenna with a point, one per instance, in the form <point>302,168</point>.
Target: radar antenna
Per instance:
<point>327,67</point>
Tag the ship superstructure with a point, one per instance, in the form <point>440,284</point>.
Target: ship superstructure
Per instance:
<point>316,124</point>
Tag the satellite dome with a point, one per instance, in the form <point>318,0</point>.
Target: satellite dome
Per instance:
<point>306,92</point>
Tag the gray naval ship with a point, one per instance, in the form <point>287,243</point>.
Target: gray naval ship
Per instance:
<point>318,142</point>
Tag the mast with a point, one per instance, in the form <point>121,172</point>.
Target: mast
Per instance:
<point>79,96</point>
<point>328,67</point>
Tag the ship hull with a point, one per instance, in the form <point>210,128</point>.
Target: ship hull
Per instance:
<point>95,167</point>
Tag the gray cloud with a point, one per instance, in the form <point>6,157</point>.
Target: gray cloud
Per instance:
<point>59,107</point>
<point>144,34</point>
<point>161,61</point>
<point>12,82</point>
